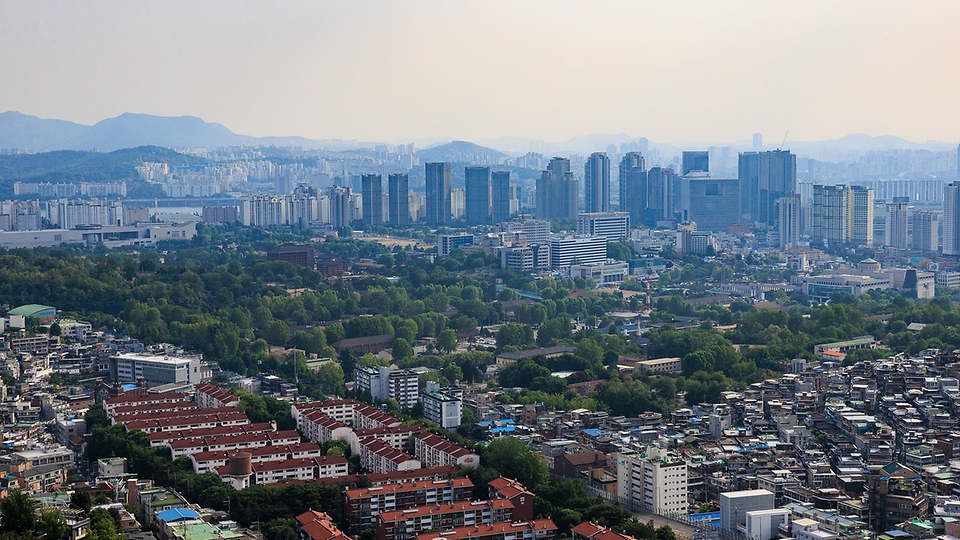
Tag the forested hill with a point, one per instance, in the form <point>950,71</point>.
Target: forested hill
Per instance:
<point>71,166</point>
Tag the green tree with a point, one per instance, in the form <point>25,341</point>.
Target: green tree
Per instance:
<point>261,317</point>
<point>514,335</point>
<point>278,333</point>
<point>102,526</point>
<point>330,377</point>
<point>554,330</point>
<point>17,513</point>
<point>589,351</point>
<point>522,374</point>
<point>51,525</point>
<point>81,500</point>
<point>514,459</point>
<point>447,341</point>
<point>96,416</point>
<point>401,349</point>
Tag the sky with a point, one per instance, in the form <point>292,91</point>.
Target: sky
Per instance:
<point>671,71</point>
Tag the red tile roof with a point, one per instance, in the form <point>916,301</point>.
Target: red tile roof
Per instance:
<point>359,493</point>
<point>491,529</point>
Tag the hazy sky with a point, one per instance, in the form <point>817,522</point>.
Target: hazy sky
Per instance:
<point>672,70</point>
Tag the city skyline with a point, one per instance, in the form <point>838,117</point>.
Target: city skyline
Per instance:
<point>318,70</point>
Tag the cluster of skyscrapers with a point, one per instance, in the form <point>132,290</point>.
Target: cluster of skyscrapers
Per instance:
<point>763,197</point>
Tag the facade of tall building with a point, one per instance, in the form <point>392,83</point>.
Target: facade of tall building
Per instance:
<point>658,196</point>
<point>22,215</point>
<point>264,211</point>
<point>655,481</point>
<point>712,203</point>
<point>695,161</point>
<point>371,190</point>
<point>458,203</point>
<point>596,183</point>
<point>500,196</point>
<point>382,383</point>
<point>304,205</point>
<point>477,195</point>
<point>298,209</point>
<point>70,214</point>
<point>557,191</point>
<point>895,228</point>
<point>340,209</point>
<point>398,189</point>
<point>861,215</point>
<point>632,176</point>
<point>613,226</point>
<point>831,208</point>
<point>788,222</point>
<point>926,232</point>
<point>951,219</point>
<point>438,193</point>
<point>764,178</point>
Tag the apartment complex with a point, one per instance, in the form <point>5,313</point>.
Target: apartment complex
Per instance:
<point>405,524</point>
<point>361,506</point>
<point>435,451</point>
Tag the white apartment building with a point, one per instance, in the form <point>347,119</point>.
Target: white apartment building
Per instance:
<point>655,480</point>
<point>526,258</point>
<point>948,279</point>
<point>402,385</point>
<point>535,231</point>
<point>340,410</point>
<point>377,457</point>
<point>270,472</point>
<point>611,225</point>
<point>442,409</point>
<point>435,451</point>
<point>155,369</point>
<point>577,249</point>
<point>69,214</point>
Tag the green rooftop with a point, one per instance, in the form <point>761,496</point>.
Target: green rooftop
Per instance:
<point>849,343</point>
<point>34,310</point>
<point>203,531</point>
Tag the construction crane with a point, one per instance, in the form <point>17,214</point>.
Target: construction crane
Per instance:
<point>784,141</point>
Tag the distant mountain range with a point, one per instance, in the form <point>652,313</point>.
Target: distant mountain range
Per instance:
<point>458,151</point>
<point>128,130</point>
<point>131,130</point>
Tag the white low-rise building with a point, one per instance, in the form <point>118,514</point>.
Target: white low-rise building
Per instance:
<point>763,524</point>
<point>610,272</point>
<point>155,369</point>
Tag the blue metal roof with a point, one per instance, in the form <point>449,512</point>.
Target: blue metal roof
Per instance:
<point>175,514</point>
